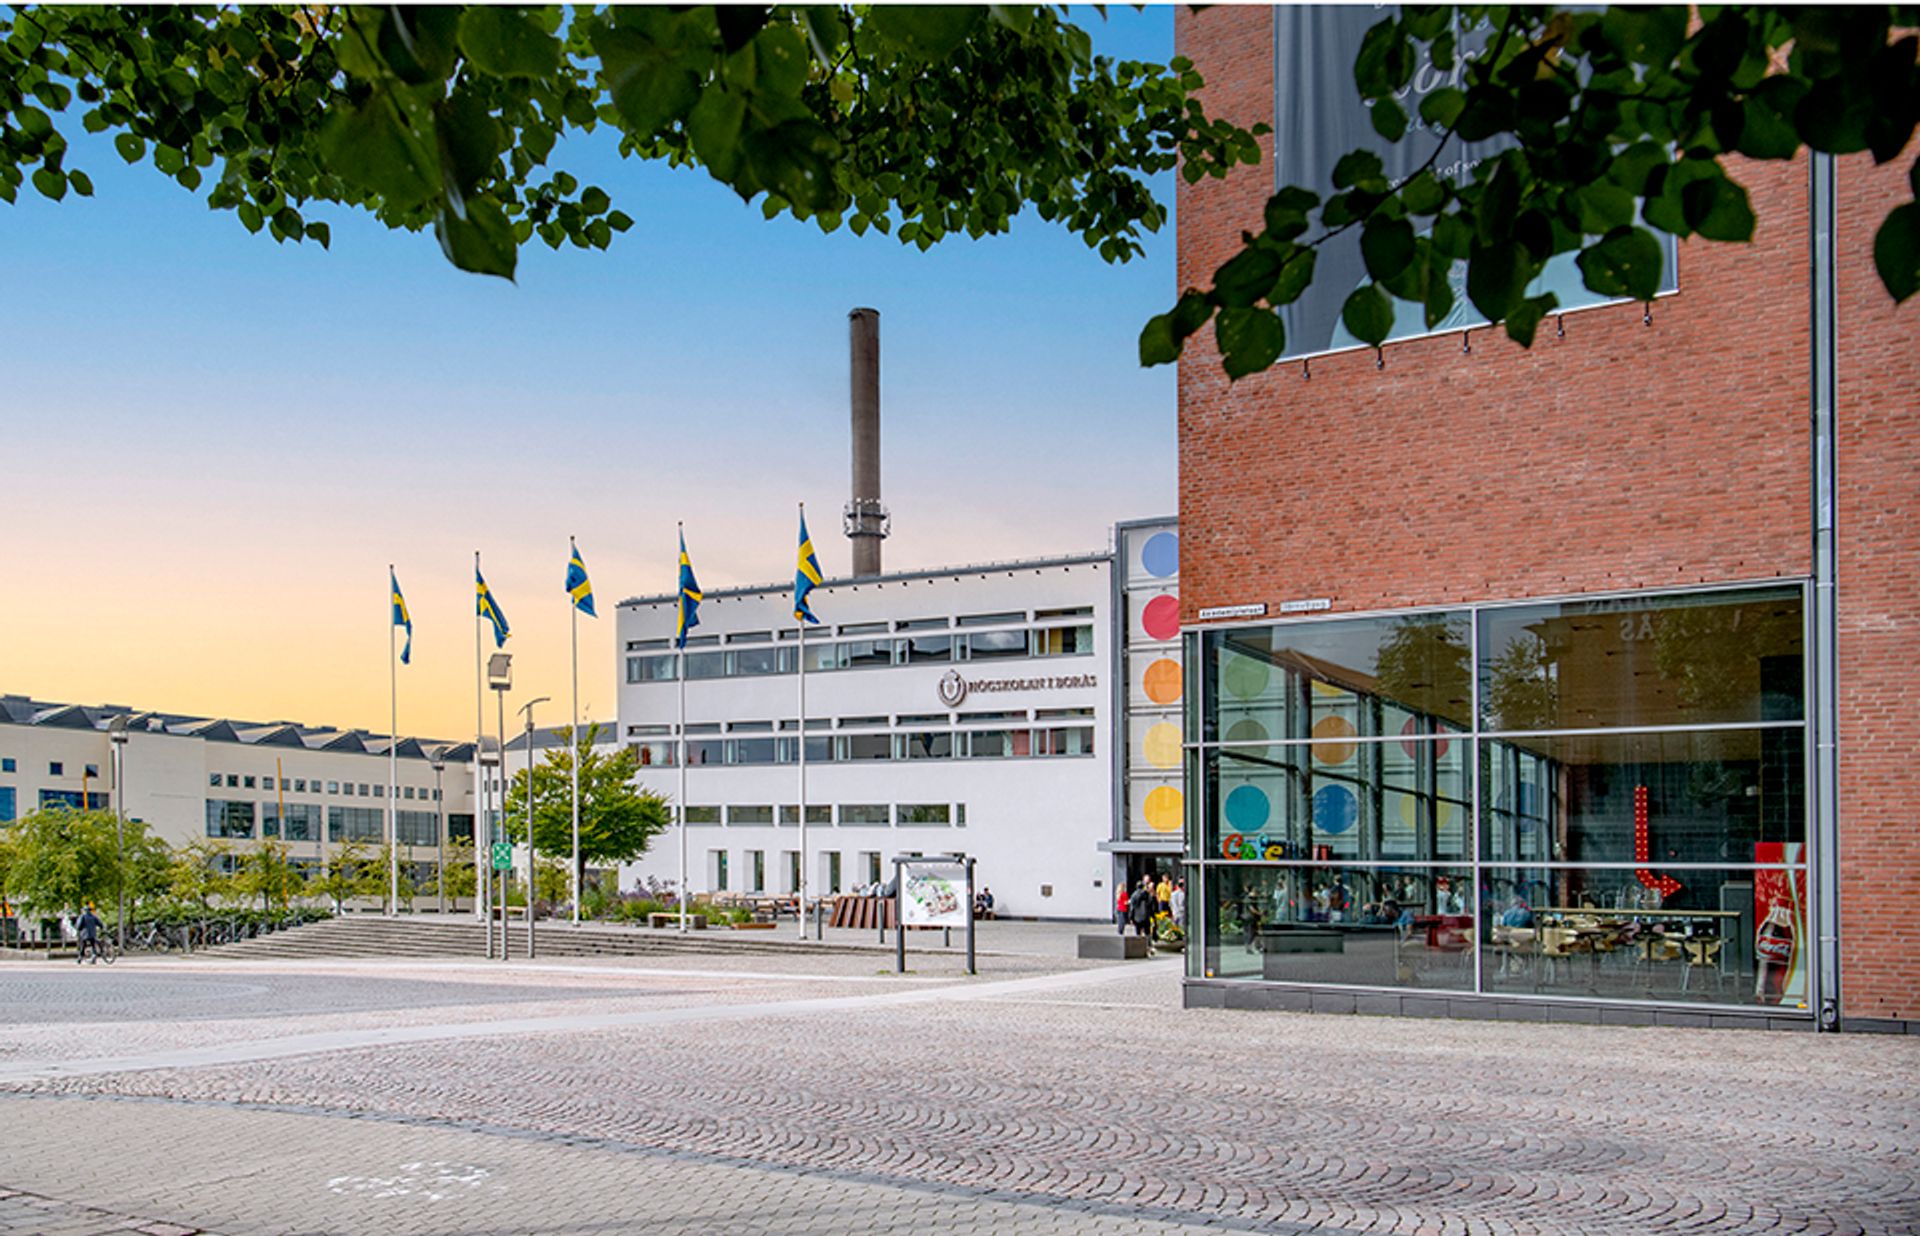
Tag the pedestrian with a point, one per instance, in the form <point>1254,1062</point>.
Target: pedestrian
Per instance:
<point>1163,893</point>
<point>1120,908</point>
<point>1177,903</point>
<point>88,929</point>
<point>1141,911</point>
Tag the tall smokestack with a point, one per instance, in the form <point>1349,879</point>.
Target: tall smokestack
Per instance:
<point>866,521</point>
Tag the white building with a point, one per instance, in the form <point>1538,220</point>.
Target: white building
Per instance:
<point>976,709</point>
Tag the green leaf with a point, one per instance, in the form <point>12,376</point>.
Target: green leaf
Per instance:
<point>372,148</point>
<point>1833,117</point>
<point>619,221</point>
<point>503,42</point>
<point>1442,107</point>
<point>95,121</point>
<point>1718,209</point>
<point>713,126</point>
<point>1250,340</point>
<point>50,183</point>
<point>595,200</point>
<point>1624,262</point>
<point>132,147</point>
<point>1634,165</point>
<point>1286,212</point>
<point>1497,277</point>
<point>650,86</point>
<point>481,242</point>
<point>1246,276</point>
<point>81,182</point>
<point>1359,168</point>
<point>250,216</point>
<point>1424,194</point>
<point>1524,319</point>
<point>1389,119</point>
<point>931,31</point>
<point>1387,247</point>
<point>1385,62</point>
<point>1296,273</point>
<point>1896,251</point>
<point>1602,206</point>
<point>1368,315</point>
<point>322,233</point>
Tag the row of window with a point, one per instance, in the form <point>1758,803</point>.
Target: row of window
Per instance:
<point>1006,618</point>
<point>1074,641</point>
<point>55,768</point>
<point>232,819</point>
<point>302,785</point>
<point>850,815</point>
<point>861,748</point>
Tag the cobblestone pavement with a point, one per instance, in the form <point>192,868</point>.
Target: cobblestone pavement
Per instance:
<point>1077,1100</point>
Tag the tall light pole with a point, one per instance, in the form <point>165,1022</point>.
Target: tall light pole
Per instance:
<point>117,735</point>
<point>440,825</point>
<point>483,844</point>
<point>500,678</point>
<point>527,710</point>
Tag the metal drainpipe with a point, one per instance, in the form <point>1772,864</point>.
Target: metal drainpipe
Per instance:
<point>1825,799</point>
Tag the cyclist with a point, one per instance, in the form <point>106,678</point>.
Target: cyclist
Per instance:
<point>89,930</point>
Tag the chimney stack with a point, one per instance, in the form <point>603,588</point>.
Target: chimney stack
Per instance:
<point>866,522</point>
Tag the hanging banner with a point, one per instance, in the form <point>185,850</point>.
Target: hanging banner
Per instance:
<point>1320,116</point>
<point>934,894</point>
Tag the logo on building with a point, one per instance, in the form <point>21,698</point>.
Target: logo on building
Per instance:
<point>953,688</point>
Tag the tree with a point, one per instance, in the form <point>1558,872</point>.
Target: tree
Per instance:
<point>267,873</point>
<point>617,819</point>
<point>197,874</point>
<point>455,877</point>
<point>350,874</point>
<point>60,858</point>
<point>1622,122</point>
<point>924,122</point>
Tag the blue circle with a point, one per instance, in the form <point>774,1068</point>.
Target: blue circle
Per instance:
<point>1161,555</point>
<point>1247,809</point>
<point>1335,810</point>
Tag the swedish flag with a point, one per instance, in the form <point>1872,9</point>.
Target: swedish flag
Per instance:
<point>689,605</point>
<point>807,577</point>
<point>578,586</point>
<point>490,609</point>
<point>401,618</point>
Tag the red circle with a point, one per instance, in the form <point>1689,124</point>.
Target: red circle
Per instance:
<point>1161,618</point>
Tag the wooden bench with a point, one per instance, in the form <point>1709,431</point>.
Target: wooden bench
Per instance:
<point>695,922</point>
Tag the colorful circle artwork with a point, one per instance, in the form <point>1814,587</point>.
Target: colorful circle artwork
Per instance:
<point>1160,619</point>
<point>1163,808</point>
<point>1412,727</point>
<point>1331,747</point>
<point>1247,730</point>
<point>1161,745</point>
<point>1335,810</point>
<point>1247,809</point>
<point>1161,682</point>
<point>1161,555</point>
<point>1244,678</point>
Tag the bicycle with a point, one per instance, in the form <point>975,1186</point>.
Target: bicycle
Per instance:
<point>103,950</point>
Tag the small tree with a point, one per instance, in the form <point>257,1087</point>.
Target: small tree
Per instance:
<point>345,875</point>
<point>196,875</point>
<point>267,873</point>
<point>456,875</point>
<point>618,820</point>
<point>60,858</point>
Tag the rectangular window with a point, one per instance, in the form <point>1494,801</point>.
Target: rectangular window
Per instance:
<point>247,783</point>
<point>999,744</point>
<point>379,791</point>
<point>816,814</point>
<point>9,804</point>
<point>93,801</point>
<point>921,624</point>
<point>1075,611</point>
<point>925,814</point>
<point>421,828</point>
<point>233,781</point>
<point>229,818</point>
<point>56,769</point>
<point>749,727</point>
<point>860,723</point>
<point>819,750</point>
<point>717,870</point>
<point>460,826</point>
<point>648,645</point>
<point>706,751</point>
<point>298,822</point>
<point>749,815</point>
<point>702,665</point>
<point>697,816</point>
<point>1060,714</point>
<point>1063,642</point>
<point>866,654</point>
<point>991,620</point>
<point>1077,740</point>
<point>996,645</point>
<point>757,662</point>
<point>93,770</point>
<point>266,783</point>
<point>864,628</point>
<point>866,746</point>
<point>865,814</point>
<point>757,871</point>
<point>651,669</point>
<point>7,765</point>
<point>927,745</point>
<point>750,637</point>
<point>213,780</point>
<point>408,793</point>
<point>333,787</point>
<point>654,753</point>
<point>750,751</point>
<point>870,859</point>
<point>927,649</point>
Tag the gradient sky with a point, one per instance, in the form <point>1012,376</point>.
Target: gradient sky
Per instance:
<point>216,444</point>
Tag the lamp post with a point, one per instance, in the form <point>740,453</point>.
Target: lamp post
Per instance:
<point>440,826</point>
<point>500,679</point>
<point>117,735</point>
<point>482,843</point>
<point>527,710</point>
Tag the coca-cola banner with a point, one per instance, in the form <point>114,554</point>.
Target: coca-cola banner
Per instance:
<point>1780,926</point>
<point>1319,116</point>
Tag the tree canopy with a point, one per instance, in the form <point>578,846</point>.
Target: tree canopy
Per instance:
<point>617,819</point>
<point>60,858</point>
<point>927,122</point>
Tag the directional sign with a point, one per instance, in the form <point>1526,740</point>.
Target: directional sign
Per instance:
<point>502,856</point>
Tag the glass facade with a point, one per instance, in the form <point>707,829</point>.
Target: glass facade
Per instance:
<point>1596,799</point>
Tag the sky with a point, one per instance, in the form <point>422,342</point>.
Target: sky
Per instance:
<point>216,445</point>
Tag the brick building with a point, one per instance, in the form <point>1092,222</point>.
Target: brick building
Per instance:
<point>1519,711</point>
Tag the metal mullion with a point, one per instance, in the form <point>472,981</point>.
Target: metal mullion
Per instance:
<point>1473,818</point>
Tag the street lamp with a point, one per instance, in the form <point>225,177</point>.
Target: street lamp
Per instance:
<point>500,679</point>
<point>117,735</point>
<point>482,842</point>
<point>527,710</point>
<point>440,825</point>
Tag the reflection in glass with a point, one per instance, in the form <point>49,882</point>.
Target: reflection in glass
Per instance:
<point>1408,799</point>
<point>1375,927</point>
<point>1721,937</point>
<point>1711,796</point>
<point>1709,658</point>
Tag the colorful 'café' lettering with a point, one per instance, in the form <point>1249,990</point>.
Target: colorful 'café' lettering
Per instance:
<point>1253,848</point>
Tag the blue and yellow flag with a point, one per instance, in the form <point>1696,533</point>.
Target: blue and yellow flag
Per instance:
<point>401,618</point>
<point>807,577</point>
<point>689,605</point>
<point>490,609</point>
<point>578,586</point>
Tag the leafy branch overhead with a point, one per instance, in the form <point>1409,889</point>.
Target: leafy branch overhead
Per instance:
<point>919,121</point>
<point>1617,125</point>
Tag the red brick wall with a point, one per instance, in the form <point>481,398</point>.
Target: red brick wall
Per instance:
<point>1620,456</point>
<point>1878,422</point>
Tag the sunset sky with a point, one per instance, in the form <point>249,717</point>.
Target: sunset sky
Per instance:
<point>216,444</point>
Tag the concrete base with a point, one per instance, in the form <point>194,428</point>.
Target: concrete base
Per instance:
<point>1107,947</point>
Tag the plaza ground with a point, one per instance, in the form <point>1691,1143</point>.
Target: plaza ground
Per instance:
<point>819,1092</point>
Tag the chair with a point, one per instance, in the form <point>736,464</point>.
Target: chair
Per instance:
<point>1702,952</point>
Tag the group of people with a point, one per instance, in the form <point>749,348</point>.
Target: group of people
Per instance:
<point>1147,900</point>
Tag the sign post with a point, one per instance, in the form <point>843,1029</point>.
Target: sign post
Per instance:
<point>933,892</point>
<point>503,864</point>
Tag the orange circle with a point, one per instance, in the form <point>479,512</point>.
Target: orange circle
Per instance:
<point>1161,682</point>
<point>1325,752</point>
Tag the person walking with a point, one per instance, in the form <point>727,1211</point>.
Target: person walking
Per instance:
<point>1163,893</point>
<point>1142,909</point>
<point>1120,908</point>
<point>1177,904</point>
<point>88,929</point>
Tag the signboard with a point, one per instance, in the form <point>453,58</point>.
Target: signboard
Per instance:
<point>1312,605</point>
<point>1257,609</point>
<point>502,856</point>
<point>1318,116</point>
<point>934,894</point>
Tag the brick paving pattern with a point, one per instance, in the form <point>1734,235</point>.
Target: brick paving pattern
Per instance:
<point>1083,1100</point>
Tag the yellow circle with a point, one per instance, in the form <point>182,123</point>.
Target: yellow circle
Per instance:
<point>1163,808</point>
<point>1326,752</point>
<point>1161,682</point>
<point>1161,745</point>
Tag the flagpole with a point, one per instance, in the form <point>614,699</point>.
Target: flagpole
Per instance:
<point>573,618</point>
<point>393,756</point>
<point>479,765</point>
<point>800,642</point>
<point>680,676</point>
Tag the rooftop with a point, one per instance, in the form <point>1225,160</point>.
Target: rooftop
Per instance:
<point>24,710</point>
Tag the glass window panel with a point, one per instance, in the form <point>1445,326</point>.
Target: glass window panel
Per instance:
<point>1715,796</point>
<point>706,751</point>
<point>1063,642</point>
<point>751,751</point>
<point>1375,802</point>
<point>750,662</point>
<point>927,649</point>
<point>229,818</point>
<point>998,744</point>
<point>1698,659</point>
<point>750,815</point>
<point>866,746</point>
<point>1374,927</point>
<point>865,814</point>
<point>866,654</point>
<point>996,645</point>
<point>650,669</point>
<point>1720,937</point>
<point>1075,740</point>
<point>990,620</point>
<point>653,753</point>
<point>706,665</point>
<point>927,745</point>
<point>816,814</point>
<point>926,813</point>
<point>702,815</point>
<point>819,750</point>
